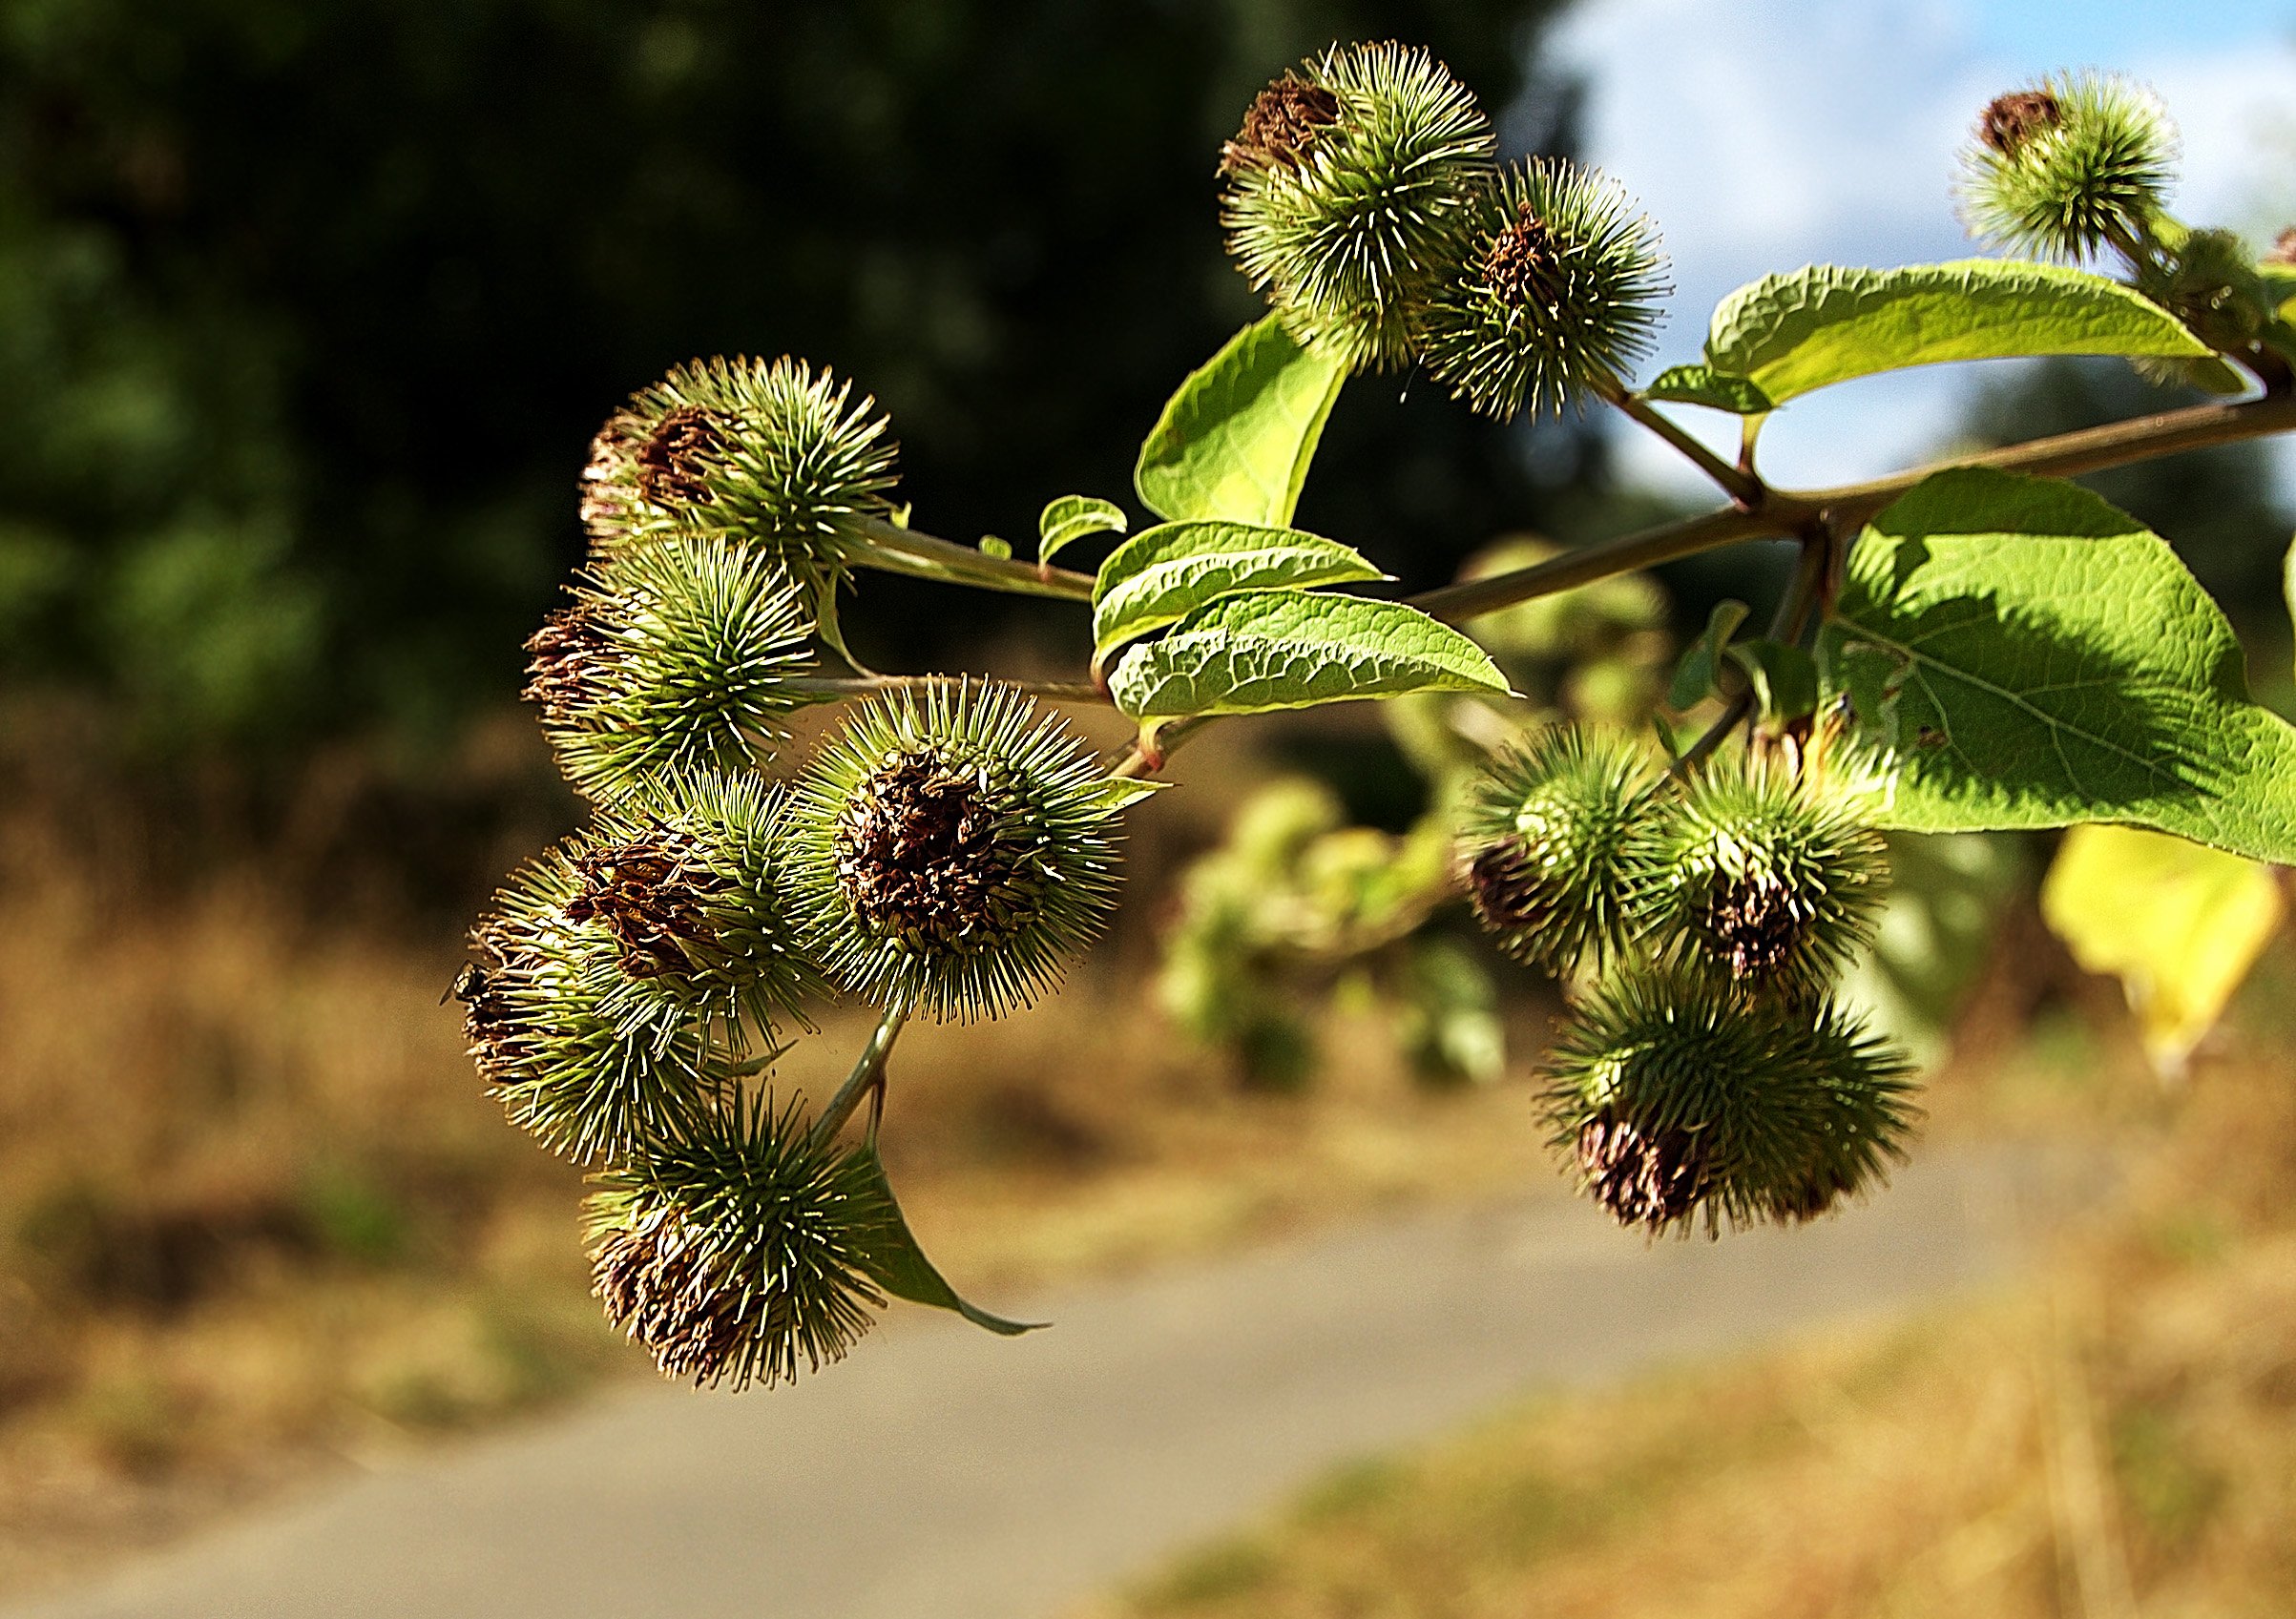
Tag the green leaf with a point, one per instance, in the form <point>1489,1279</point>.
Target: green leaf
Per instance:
<point>826,622</point>
<point>1122,792</point>
<point>1286,649</point>
<point>2023,654</point>
<point>1936,934</point>
<point>1704,385</point>
<point>1784,677</point>
<point>2178,925</point>
<point>2215,376</point>
<point>906,1273</point>
<point>1237,439</point>
<point>1827,322</point>
<point>1695,675</point>
<point>1075,517</point>
<point>1161,574</point>
<point>1448,1021</point>
<point>2287,581</point>
<point>996,546</point>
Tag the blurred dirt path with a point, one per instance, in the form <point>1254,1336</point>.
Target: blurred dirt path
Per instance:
<point>940,1473</point>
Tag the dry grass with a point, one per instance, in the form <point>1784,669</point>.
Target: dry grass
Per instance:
<point>257,1217</point>
<point>2119,1439</point>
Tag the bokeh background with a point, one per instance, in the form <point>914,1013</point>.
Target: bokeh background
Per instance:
<point>307,311</point>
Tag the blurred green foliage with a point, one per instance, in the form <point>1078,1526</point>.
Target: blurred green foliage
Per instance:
<point>1300,910</point>
<point>308,307</point>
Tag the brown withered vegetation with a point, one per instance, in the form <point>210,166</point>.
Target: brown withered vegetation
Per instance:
<point>1281,126</point>
<point>1520,264</point>
<point>1645,1179</point>
<point>258,1215</point>
<point>674,462</point>
<point>922,854</point>
<point>2009,122</point>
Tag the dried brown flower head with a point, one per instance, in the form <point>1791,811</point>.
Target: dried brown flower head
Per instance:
<point>2009,122</point>
<point>1521,265</point>
<point>1280,126</point>
<point>1644,1179</point>
<point>652,893</point>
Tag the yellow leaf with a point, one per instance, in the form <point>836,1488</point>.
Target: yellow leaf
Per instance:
<point>2179,924</point>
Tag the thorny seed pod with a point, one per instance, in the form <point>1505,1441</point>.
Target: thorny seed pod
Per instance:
<point>674,658</point>
<point>551,1033</point>
<point>1554,291</point>
<point>2210,282</point>
<point>949,856</point>
<point>2069,167</point>
<point>1683,1105</point>
<point>689,885</point>
<point>1653,1178</point>
<point>1869,1085</point>
<point>1344,186</point>
<point>1548,844</point>
<point>1762,873</point>
<point>743,1248</point>
<point>775,456</point>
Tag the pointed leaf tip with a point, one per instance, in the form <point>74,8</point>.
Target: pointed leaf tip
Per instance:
<point>1237,438</point>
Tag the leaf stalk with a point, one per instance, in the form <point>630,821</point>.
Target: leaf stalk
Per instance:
<point>868,1074</point>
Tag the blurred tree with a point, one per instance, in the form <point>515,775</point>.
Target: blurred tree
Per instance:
<point>2216,505</point>
<point>308,307</point>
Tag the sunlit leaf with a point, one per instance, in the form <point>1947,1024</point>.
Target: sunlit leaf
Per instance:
<point>1292,648</point>
<point>1161,574</point>
<point>1075,517</point>
<point>1787,334</point>
<point>2179,925</point>
<point>1705,384</point>
<point>1236,439</point>
<point>2020,653</point>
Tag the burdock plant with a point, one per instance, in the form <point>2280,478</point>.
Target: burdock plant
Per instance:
<point>1550,847</point>
<point>1686,1106</point>
<point>1346,189</point>
<point>675,657</point>
<point>1993,647</point>
<point>551,1030</point>
<point>1555,293</point>
<point>696,897</point>
<point>1760,875</point>
<point>777,456</point>
<point>745,1247</point>
<point>2070,167</point>
<point>951,852</point>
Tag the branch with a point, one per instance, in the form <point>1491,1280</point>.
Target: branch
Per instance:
<point>1738,483</point>
<point>836,687</point>
<point>1779,512</point>
<point>1585,566</point>
<point>1816,515</point>
<point>895,550</point>
<point>869,1073</point>
<point>2068,455</point>
<point>1149,754</point>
